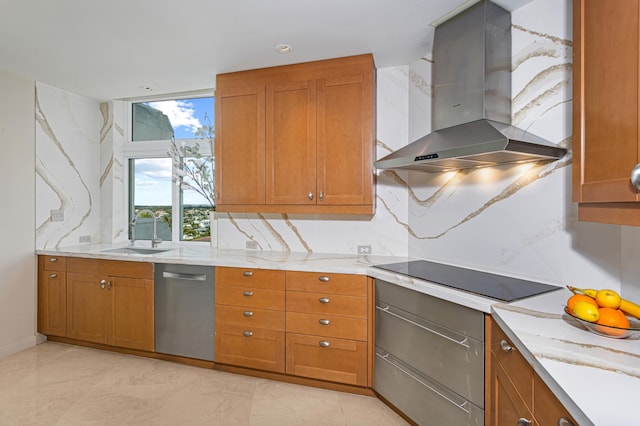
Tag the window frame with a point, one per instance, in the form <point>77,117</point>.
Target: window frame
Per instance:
<point>132,150</point>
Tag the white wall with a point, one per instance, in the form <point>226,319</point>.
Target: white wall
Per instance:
<point>17,249</point>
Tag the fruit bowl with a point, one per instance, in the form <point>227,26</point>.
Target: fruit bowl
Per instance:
<point>607,330</point>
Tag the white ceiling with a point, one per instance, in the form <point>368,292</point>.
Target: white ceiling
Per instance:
<point>112,49</point>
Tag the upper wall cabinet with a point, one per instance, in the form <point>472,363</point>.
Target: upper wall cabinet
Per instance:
<point>606,147</point>
<point>297,138</point>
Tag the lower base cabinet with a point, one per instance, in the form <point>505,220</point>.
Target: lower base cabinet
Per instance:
<point>101,301</point>
<point>518,394</point>
<point>250,347</point>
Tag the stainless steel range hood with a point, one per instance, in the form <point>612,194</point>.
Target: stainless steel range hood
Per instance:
<point>471,105</point>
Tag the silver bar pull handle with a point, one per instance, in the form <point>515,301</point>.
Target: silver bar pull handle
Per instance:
<point>324,343</point>
<point>247,333</point>
<point>248,273</point>
<point>563,421</point>
<point>247,293</point>
<point>53,259</point>
<point>183,276</point>
<point>53,275</point>
<point>387,310</point>
<point>324,278</point>
<point>247,313</point>
<point>103,283</point>
<point>310,195</point>
<point>324,322</point>
<point>524,422</point>
<point>321,195</point>
<point>324,300</point>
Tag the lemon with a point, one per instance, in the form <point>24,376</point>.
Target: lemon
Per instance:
<point>586,311</point>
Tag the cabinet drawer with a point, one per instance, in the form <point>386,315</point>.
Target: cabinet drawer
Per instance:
<point>351,285</point>
<point>250,297</point>
<point>336,360</point>
<point>53,263</point>
<point>329,326</point>
<point>519,369</point>
<point>250,317</point>
<point>327,304</point>
<point>435,351</point>
<point>425,401</point>
<point>247,277</point>
<point>250,347</point>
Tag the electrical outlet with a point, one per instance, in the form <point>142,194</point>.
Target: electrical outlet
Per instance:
<point>364,249</point>
<point>57,215</point>
<point>85,238</point>
<point>252,245</point>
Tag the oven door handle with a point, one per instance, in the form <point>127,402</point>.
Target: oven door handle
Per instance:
<point>387,309</point>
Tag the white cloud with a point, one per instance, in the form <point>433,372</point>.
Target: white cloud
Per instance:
<point>180,113</point>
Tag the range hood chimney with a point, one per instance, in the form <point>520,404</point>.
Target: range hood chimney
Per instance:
<point>471,106</point>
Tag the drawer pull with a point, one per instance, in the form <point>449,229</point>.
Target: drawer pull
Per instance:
<point>53,275</point>
<point>324,300</point>
<point>524,422</point>
<point>53,259</point>
<point>505,346</point>
<point>387,309</point>
<point>247,333</point>
<point>248,273</point>
<point>563,421</point>
<point>635,176</point>
<point>324,343</point>
<point>247,313</point>
<point>248,293</point>
<point>103,283</point>
<point>324,322</point>
<point>324,278</point>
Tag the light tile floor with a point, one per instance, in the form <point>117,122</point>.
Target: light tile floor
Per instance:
<point>57,384</point>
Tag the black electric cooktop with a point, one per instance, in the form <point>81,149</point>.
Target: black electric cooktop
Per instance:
<point>500,287</point>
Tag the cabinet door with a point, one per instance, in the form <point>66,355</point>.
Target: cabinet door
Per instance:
<point>131,324</point>
<point>605,124</point>
<point>507,405</point>
<point>291,143</point>
<point>345,140</point>
<point>250,347</point>
<point>88,307</point>
<point>240,136</point>
<point>336,360</point>
<point>52,303</point>
<point>547,409</point>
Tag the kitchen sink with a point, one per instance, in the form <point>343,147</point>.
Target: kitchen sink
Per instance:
<point>138,250</point>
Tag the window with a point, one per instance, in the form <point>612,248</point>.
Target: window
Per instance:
<point>164,184</point>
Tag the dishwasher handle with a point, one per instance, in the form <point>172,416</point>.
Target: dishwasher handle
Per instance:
<point>184,276</point>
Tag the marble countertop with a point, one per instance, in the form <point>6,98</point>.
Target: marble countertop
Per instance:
<point>595,377</point>
<point>202,254</point>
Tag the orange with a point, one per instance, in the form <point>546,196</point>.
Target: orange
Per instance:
<point>614,318</point>
<point>580,298</point>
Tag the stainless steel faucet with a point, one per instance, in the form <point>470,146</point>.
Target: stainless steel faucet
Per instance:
<point>154,239</point>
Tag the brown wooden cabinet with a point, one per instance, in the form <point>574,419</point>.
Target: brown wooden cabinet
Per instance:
<point>606,144</point>
<point>101,301</point>
<point>297,138</point>
<point>518,395</point>
<point>327,327</point>
<point>52,295</point>
<point>250,318</point>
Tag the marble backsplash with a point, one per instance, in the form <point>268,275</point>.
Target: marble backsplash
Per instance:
<point>516,220</point>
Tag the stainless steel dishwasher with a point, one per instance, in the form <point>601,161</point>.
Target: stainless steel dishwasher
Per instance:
<point>184,310</point>
<point>429,357</point>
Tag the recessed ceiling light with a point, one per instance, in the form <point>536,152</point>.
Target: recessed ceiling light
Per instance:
<point>283,48</point>
<point>147,88</point>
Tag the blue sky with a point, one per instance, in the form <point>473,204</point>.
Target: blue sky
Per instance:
<point>153,176</point>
